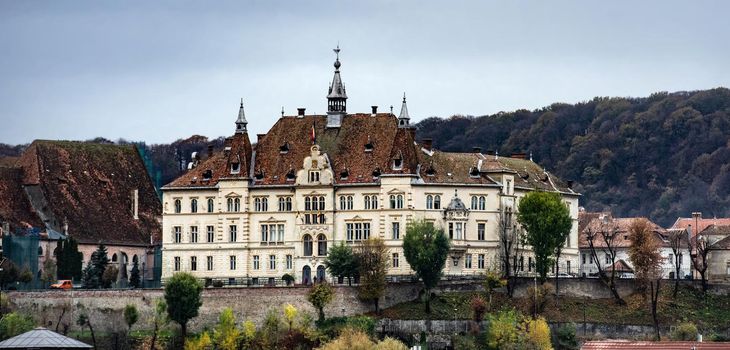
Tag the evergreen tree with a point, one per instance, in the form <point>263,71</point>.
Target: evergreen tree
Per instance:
<point>69,259</point>
<point>134,279</point>
<point>90,278</point>
<point>100,260</point>
<point>426,249</point>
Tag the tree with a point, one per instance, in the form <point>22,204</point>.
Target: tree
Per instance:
<point>290,313</point>
<point>25,276</point>
<point>109,277</point>
<point>426,249</point>
<point>699,258</point>
<point>537,334</point>
<point>130,316</point>
<point>676,238</point>
<point>159,320</point>
<point>564,337</point>
<point>510,242</point>
<point>202,342</point>
<point>90,277</point>
<point>478,308</point>
<point>503,329</point>
<point>69,259</point>
<point>83,320</point>
<point>100,260</point>
<point>644,255</point>
<point>320,294</point>
<point>182,295</point>
<point>547,222</point>
<point>372,259</point>
<point>342,262</point>
<point>602,234</point>
<point>492,282</point>
<point>13,324</point>
<point>134,279</point>
<point>226,334</point>
<point>9,273</point>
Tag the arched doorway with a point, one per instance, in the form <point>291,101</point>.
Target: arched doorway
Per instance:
<point>306,275</point>
<point>320,273</point>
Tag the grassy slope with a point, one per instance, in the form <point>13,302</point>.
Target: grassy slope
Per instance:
<point>707,311</point>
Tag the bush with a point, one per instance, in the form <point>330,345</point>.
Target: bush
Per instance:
<point>478,307</point>
<point>539,296</point>
<point>685,331</point>
<point>537,334</point>
<point>334,326</point>
<point>564,337</point>
<point>351,339</point>
<point>288,278</point>
<point>13,324</point>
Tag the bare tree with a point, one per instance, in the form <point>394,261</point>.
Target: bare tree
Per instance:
<point>699,258</point>
<point>510,242</point>
<point>675,242</point>
<point>605,232</point>
<point>644,254</point>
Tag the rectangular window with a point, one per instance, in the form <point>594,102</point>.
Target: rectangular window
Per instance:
<point>481,227</point>
<point>264,233</point>
<point>459,230</point>
<point>272,262</point>
<point>608,258</point>
<point>568,266</point>
<point>233,233</point>
<point>232,260</point>
<point>256,262</point>
<point>177,263</point>
<point>193,234</point>
<point>280,237</point>
<point>210,233</point>
<point>193,263</point>
<point>529,264</point>
<point>480,261</point>
<point>451,230</point>
<point>357,231</point>
<point>467,261</point>
<point>177,236</point>
<point>396,230</point>
<point>395,260</point>
<point>289,263</point>
<point>591,259</point>
<point>209,263</point>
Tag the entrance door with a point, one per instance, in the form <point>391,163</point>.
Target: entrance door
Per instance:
<point>306,275</point>
<point>320,273</point>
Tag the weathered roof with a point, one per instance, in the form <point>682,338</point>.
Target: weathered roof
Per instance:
<point>723,243</point>
<point>41,338</point>
<point>439,167</point>
<point>91,186</point>
<point>658,345</point>
<point>701,223</point>
<point>622,226</point>
<point>218,166</point>
<point>15,207</point>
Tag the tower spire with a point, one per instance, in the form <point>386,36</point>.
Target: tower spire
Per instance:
<point>241,121</point>
<point>336,96</point>
<point>404,120</point>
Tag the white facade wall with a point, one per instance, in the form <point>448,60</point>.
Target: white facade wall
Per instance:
<point>588,266</point>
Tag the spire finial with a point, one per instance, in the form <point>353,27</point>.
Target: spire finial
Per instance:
<point>337,59</point>
<point>404,120</point>
<point>241,101</point>
<point>282,111</point>
<point>241,122</point>
<point>404,96</point>
<point>391,109</point>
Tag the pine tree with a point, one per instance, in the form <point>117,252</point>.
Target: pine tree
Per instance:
<point>69,259</point>
<point>134,279</point>
<point>100,260</point>
<point>90,278</point>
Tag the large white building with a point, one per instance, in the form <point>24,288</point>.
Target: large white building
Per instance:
<point>250,214</point>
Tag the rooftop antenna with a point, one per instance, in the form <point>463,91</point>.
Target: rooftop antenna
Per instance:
<point>282,111</point>
<point>391,109</point>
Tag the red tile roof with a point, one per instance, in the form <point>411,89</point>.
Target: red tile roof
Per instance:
<point>15,208</point>
<point>658,345</point>
<point>90,186</point>
<point>218,165</point>
<point>702,223</point>
<point>622,239</point>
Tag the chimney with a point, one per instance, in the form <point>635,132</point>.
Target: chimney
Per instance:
<point>210,151</point>
<point>518,155</point>
<point>375,110</point>
<point>476,149</point>
<point>427,143</point>
<point>259,137</point>
<point>135,203</point>
<point>300,112</point>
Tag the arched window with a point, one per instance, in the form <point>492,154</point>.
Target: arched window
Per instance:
<point>482,203</point>
<point>349,203</point>
<point>307,203</point>
<point>114,257</point>
<point>193,205</point>
<point>392,201</point>
<point>307,245</point>
<point>124,258</point>
<point>429,202</point>
<point>342,202</point>
<point>40,251</point>
<point>321,203</point>
<point>437,202</point>
<point>399,201</point>
<point>321,245</point>
<point>230,204</point>
<point>237,204</point>
<point>473,202</point>
<point>210,205</point>
<point>135,259</point>
<point>374,202</point>
<point>178,206</point>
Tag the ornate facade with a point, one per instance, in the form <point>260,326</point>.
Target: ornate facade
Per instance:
<point>314,181</point>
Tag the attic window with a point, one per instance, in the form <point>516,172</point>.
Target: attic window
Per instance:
<point>369,147</point>
<point>430,171</point>
<point>525,175</point>
<point>235,168</point>
<point>290,176</point>
<point>474,172</point>
<point>259,175</point>
<point>397,164</point>
<point>284,149</point>
<point>376,173</point>
<point>208,174</point>
<point>344,174</point>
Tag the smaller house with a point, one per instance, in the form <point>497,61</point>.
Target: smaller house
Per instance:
<point>41,338</point>
<point>697,223</point>
<point>718,258</point>
<point>597,224</point>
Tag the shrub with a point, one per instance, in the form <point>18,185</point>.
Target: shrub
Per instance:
<point>564,337</point>
<point>334,326</point>
<point>320,295</point>
<point>539,296</point>
<point>478,307</point>
<point>288,278</point>
<point>203,342</point>
<point>537,334</point>
<point>391,344</point>
<point>13,324</point>
<point>503,330</point>
<point>685,331</point>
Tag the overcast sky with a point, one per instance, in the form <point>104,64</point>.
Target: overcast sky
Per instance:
<point>159,71</point>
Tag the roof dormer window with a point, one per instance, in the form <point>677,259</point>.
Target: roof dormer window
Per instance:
<point>376,173</point>
<point>235,168</point>
<point>344,174</point>
<point>259,175</point>
<point>284,149</point>
<point>397,164</point>
<point>474,172</point>
<point>430,171</point>
<point>208,174</point>
<point>290,176</point>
